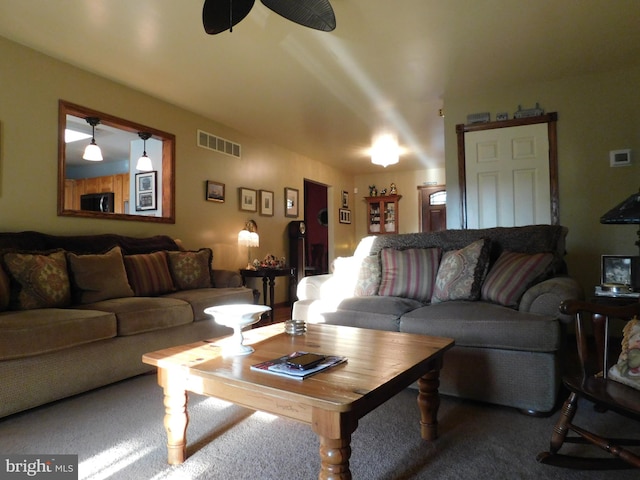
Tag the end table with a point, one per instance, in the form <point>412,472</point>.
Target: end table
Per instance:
<point>268,276</point>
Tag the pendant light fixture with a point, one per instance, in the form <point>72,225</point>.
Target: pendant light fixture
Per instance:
<point>93,152</point>
<point>144,162</point>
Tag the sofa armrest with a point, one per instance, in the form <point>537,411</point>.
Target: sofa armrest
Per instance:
<point>545,297</point>
<point>310,288</point>
<point>227,278</point>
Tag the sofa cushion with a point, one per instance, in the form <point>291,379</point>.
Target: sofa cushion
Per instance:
<point>99,277</point>
<point>191,269</point>
<point>5,289</point>
<point>377,312</point>
<point>149,274</point>
<point>41,280</point>
<point>201,298</point>
<point>145,314</point>
<point>409,273</point>
<point>485,325</point>
<point>34,332</point>
<point>512,274</point>
<point>369,276</point>
<point>461,273</point>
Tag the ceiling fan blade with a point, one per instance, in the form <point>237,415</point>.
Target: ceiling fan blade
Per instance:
<point>221,15</point>
<point>316,14</point>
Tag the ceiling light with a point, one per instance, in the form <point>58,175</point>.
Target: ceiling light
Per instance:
<point>144,162</point>
<point>385,150</point>
<point>93,152</point>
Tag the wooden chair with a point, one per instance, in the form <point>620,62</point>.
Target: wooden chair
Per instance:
<point>597,351</point>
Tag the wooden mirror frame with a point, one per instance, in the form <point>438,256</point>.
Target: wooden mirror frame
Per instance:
<point>166,197</point>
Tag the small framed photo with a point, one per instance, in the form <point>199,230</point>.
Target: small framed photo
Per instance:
<point>248,199</point>
<point>146,186</point>
<point>617,269</point>
<point>345,199</point>
<point>266,203</point>
<point>291,202</point>
<point>344,215</point>
<point>215,191</point>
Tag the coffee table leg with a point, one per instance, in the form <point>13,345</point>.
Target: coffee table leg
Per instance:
<point>176,417</point>
<point>429,402</point>
<point>334,455</point>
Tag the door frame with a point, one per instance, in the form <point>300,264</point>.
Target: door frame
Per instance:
<point>550,119</point>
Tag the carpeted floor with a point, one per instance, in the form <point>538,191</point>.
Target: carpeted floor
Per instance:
<point>117,432</point>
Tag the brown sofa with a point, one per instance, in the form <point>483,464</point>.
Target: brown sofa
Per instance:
<point>496,291</point>
<point>78,312</point>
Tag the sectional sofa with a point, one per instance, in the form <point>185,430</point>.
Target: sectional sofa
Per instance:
<point>78,312</point>
<point>495,291</point>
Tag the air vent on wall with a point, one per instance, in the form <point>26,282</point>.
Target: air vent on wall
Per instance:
<point>217,144</point>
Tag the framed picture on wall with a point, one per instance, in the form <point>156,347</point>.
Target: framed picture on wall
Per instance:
<point>344,215</point>
<point>291,202</point>
<point>248,199</point>
<point>345,199</point>
<point>215,191</point>
<point>146,186</point>
<point>266,203</point>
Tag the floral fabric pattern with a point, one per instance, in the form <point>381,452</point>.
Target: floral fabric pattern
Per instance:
<point>42,280</point>
<point>462,272</point>
<point>191,270</point>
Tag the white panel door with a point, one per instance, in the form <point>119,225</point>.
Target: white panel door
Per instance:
<point>507,174</point>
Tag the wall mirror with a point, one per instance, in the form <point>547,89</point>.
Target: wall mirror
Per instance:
<point>119,186</point>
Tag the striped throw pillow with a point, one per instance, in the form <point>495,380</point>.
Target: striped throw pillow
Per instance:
<point>409,273</point>
<point>512,274</point>
<point>149,274</point>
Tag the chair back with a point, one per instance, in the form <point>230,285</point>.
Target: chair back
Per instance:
<point>598,333</point>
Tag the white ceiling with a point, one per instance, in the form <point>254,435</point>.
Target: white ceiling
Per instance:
<point>387,65</point>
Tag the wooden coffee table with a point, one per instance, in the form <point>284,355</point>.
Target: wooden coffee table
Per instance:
<point>380,364</point>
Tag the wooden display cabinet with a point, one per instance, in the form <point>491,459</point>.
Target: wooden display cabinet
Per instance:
<point>383,214</point>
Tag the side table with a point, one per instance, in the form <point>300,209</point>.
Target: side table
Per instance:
<point>268,276</point>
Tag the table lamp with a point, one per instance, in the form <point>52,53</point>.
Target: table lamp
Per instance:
<point>248,237</point>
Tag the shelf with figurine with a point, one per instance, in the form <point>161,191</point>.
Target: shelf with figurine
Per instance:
<point>382,210</point>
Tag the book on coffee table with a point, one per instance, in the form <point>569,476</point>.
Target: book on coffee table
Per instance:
<point>279,366</point>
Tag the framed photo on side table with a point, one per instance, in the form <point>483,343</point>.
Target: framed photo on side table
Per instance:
<point>146,186</point>
<point>266,203</point>
<point>215,191</point>
<point>618,269</point>
<point>248,199</point>
<point>291,202</point>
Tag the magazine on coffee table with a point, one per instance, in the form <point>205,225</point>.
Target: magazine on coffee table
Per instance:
<point>280,366</point>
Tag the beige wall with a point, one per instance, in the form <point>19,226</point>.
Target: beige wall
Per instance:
<point>596,114</point>
<point>31,85</point>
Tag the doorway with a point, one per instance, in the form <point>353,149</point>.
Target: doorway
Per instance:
<point>316,219</point>
<point>433,208</point>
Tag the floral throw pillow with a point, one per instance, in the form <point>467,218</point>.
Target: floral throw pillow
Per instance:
<point>41,279</point>
<point>461,273</point>
<point>627,370</point>
<point>368,277</point>
<point>189,269</point>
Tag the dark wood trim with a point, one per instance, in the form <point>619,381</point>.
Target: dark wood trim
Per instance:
<point>551,120</point>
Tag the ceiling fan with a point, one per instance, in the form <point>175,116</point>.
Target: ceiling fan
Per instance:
<point>221,15</point>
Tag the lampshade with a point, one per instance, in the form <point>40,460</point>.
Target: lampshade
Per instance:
<point>144,162</point>
<point>627,212</point>
<point>92,152</point>
<point>248,239</point>
<point>385,151</point>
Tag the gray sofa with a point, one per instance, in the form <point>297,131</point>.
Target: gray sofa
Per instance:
<point>495,291</point>
<point>121,297</point>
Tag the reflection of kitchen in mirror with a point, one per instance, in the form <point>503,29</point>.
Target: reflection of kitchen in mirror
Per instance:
<point>101,183</point>
<point>105,186</point>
